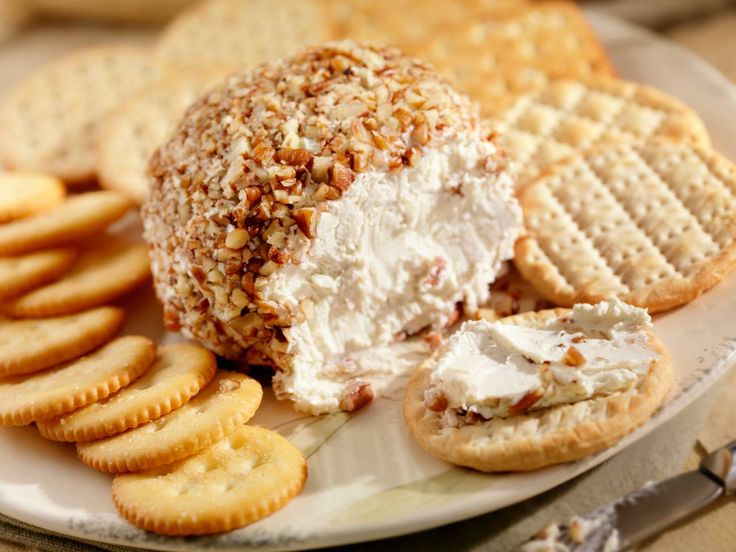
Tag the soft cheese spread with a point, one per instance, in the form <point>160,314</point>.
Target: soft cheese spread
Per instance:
<point>394,254</point>
<point>496,369</point>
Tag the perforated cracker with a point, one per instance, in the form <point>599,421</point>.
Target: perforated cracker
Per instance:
<point>544,437</point>
<point>569,116</point>
<point>229,33</point>
<point>129,137</point>
<point>496,58</point>
<point>243,478</point>
<point>49,121</point>
<point>653,224</point>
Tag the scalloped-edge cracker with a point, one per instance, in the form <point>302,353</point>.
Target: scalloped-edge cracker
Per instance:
<point>23,194</point>
<point>27,346</point>
<point>22,273</point>
<point>106,270</point>
<point>177,374</point>
<point>228,401</point>
<point>245,477</point>
<point>78,217</point>
<point>72,385</point>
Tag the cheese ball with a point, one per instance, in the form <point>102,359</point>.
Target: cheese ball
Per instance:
<point>313,209</point>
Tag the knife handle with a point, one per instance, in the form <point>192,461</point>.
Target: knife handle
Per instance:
<point>721,464</point>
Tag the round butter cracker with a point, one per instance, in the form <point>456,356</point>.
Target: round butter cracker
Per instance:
<point>27,346</point>
<point>49,121</point>
<point>498,57</point>
<point>106,270</point>
<point>219,33</point>
<point>66,387</point>
<point>24,194</point>
<point>177,374</point>
<point>227,402</point>
<point>78,217</point>
<point>22,273</point>
<point>245,477</point>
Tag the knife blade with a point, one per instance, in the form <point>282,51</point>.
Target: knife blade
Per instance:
<point>643,513</point>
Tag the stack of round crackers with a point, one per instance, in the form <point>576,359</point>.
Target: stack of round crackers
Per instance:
<point>129,406</point>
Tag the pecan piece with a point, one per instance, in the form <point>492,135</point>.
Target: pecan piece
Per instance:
<point>305,220</point>
<point>341,177</point>
<point>279,256</point>
<point>198,274</point>
<point>171,320</point>
<point>438,403</point>
<point>526,402</point>
<point>294,157</point>
<point>248,284</point>
<point>356,396</point>
<point>253,194</point>
<point>573,357</point>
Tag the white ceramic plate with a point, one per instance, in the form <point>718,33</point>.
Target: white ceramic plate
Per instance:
<point>368,480</point>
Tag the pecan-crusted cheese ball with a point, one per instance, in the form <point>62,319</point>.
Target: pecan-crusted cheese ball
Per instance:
<point>313,208</point>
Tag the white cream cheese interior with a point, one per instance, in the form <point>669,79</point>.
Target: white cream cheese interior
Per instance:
<point>496,369</point>
<point>395,253</point>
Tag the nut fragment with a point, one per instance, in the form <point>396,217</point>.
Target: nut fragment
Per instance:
<point>577,531</point>
<point>320,168</point>
<point>434,340</point>
<point>305,220</point>
<point>295,157</point>
<point>573,357</point>
<point>342,177</point>
<point>253,194</point>
<point>237,239</point>
<point>526,402</point>
<point>437,403</point>
<point>356,396</point>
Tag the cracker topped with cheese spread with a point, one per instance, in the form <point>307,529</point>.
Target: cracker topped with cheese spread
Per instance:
<point>538,388</point>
